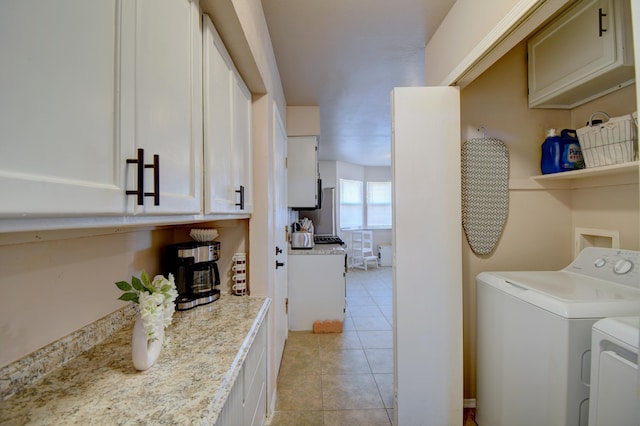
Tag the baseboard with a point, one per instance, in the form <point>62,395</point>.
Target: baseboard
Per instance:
<point>469,403</point>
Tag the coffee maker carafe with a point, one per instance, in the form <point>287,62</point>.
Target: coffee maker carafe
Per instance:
<point>193,265</point>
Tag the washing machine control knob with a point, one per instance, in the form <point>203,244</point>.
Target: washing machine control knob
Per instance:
<point>599,263</point>
<point>622,266</point>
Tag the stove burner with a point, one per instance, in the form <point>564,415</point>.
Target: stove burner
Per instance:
<point>325,239</point>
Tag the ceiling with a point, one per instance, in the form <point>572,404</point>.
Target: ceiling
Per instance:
<point>346,56</point>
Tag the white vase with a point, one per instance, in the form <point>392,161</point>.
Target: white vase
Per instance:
<point>145,352</point>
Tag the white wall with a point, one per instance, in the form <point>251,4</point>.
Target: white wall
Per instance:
<point>328,174</point>
<point>377,174</point>
<point>427,314</point>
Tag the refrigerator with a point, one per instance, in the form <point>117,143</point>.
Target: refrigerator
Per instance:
<point>324,218</point>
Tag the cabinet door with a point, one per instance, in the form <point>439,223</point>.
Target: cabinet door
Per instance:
<point>227,130</point>
<point>242,149</point>
<point>59,136</point>
<point>316,289</point>
<point>584,54</point>
<point>167,107</point>
<point>254,379</point>
<point>233,411</point>
<point>302,172</point>
<point>218,86</point>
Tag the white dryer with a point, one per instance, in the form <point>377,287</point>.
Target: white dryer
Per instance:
<point>614,399</point>
<point>534,336</point>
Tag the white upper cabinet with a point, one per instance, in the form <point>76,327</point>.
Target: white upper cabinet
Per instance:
<point>242,149</point>
<point>302,172</point>
<point>85,85</point>
<point>584,54</point>
<point>59,129</point>
<point>227,130</point>
<point>162,103</point>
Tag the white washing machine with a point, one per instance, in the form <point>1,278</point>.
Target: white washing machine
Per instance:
<point>614,399</point>
<point>534,336</point>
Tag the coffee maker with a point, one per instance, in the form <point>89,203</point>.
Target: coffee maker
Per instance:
<point>193,265</point>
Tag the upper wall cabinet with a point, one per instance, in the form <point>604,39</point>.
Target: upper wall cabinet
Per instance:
<point>302,172</point>
<point>85,85</point>
<point>585,53</point>
<point>59,127</point>
<point>162,102</point>
<point>227,130</point>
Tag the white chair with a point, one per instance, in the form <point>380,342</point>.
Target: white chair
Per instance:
<point>362,249</point>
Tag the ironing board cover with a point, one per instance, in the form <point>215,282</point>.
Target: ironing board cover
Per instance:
<point>485,192</point>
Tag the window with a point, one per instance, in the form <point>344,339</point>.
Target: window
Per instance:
<point>379,204</point>
<point>351,204</point>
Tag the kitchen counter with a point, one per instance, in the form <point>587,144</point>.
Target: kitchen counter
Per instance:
<point>189,384</point>
<point>321,249</point>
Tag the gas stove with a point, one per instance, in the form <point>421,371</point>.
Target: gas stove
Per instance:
<point>327,239</point>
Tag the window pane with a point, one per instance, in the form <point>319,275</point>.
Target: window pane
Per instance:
<point>379,204</point>
<point>351,203</point>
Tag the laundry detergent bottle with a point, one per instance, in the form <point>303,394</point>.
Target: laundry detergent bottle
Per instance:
<point>561,153</point>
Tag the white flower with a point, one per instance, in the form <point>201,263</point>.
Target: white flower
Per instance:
<point>156,299</point>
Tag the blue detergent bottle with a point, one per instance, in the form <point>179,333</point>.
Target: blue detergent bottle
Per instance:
<point>561,153</point>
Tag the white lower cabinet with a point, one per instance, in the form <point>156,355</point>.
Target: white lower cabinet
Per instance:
<point>317,289</point>
<point>247,401</point>
<point>227,130</point>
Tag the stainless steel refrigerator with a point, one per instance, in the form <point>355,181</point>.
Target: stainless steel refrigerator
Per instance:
<point>324,218</point>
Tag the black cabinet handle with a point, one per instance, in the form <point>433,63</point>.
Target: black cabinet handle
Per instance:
<point>140,176</point>
<point>156,180</point>
<point>241,192</point>
<point>278,250</point>
<point>279,264</point>
<point>600,16</point>
<point>139,191</point>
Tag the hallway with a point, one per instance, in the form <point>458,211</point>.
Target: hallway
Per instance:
<point>347,378</point>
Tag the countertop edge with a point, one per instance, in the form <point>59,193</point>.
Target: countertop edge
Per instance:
<point>217,404</point>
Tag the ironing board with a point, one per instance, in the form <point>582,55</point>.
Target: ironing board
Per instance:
<point>485,192</point>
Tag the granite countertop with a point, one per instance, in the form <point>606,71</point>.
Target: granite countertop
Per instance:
<point>189,383</point>
<point>320,249</point>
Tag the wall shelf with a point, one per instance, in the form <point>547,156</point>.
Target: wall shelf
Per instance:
<point>616,174</point>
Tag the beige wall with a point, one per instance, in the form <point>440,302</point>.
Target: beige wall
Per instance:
<point>303,121</point>
<point>53,283</point>
<point>539,230</point>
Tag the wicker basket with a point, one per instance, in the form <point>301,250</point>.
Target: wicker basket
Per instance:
<point>612,142</point>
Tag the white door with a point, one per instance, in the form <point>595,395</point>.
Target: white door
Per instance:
<point>166,117</point>
<point>279,308</point>
<point>59,136</point>
<point>427,245</point>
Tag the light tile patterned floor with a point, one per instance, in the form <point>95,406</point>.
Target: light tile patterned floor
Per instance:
<point>344,379</point>
<point>347,378</point>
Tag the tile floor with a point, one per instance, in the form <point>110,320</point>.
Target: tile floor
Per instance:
<point>347,378</point>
